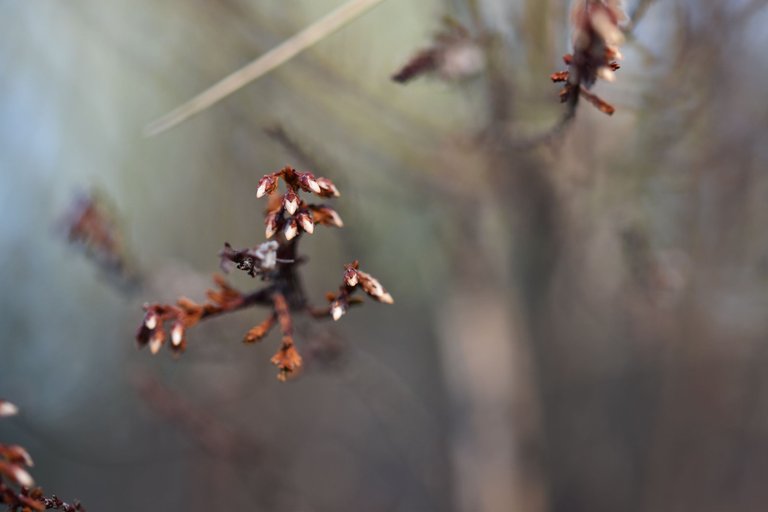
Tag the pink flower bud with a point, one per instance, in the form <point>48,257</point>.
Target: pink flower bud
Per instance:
<point>308,182</point>
<point>150,320</point>
<point>351,277</point>
<point>327,187</point>
<point>338,309</point>
<point>291,202</point>
<point>291,229</point>
<point>373,287</point>
<point>271,223</point>
<point>267,185</point>
<point>306,223</point>
<point>17,474</point>
<point>177,334</point>
<point>156,341</point>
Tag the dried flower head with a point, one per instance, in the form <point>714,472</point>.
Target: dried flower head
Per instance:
<point>290,215</point>
<point>16,491</point>
<point>354,279</point>
<point>276,262</point>
<point>91,224</point>
<point>454,55</point>
<point>596,37</point>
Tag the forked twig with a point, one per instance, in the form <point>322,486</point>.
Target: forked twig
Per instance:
<point>275,57</point>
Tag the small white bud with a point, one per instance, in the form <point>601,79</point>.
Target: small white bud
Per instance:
<point>337,311</point>
<point>26,456</point>
<point>17,452</point>
<point>606,28</point>
<point>306,223</point>
<point>606,74</point>
<point>177,334</point>
<point>261,190</point>
<point>156,342</point>
<point>8,409</point>
<point>151,321</point>
<point>267,184</point>
<point>335,219</point>
<point>328,186</point>
<point>373,287</point>
<point>21,476</point>
<point>314,186</point>
<point>271,223</point>
<point>291,203</point>
<point>291,230</point>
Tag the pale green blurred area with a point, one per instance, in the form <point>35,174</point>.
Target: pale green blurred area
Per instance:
<point>577,327</point>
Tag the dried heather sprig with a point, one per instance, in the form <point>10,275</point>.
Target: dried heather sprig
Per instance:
<point>290,215</point>
<point>354,279</point>
<point>287,217</point>
<point>13,459</point>
<point>16,491</point>
<point>187,313</point>
<point>91,225</point>
<point>596,39</point>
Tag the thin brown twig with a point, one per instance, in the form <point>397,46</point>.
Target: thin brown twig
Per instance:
<point>279,134</point>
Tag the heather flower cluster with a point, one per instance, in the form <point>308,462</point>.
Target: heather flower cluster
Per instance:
<point>290,214</point>
<point>596,39</point>
<point>275,262</point>
<point>16,491</point>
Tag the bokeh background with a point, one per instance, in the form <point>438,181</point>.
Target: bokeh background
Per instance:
<point>580,325</point>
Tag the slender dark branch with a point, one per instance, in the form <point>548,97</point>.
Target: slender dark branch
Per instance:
<point>288,280</point>
<point>262,297</point>
<point>278,133</point>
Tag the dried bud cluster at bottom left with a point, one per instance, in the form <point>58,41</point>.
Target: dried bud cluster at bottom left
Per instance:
<point>276,262</point>
<point>16,491</point>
